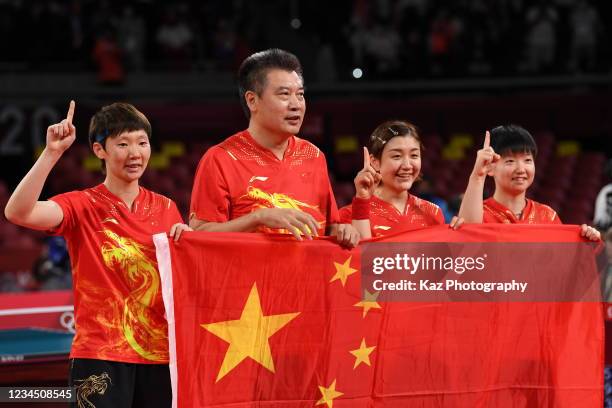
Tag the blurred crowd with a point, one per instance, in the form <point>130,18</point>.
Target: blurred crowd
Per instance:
<point>373,39</point>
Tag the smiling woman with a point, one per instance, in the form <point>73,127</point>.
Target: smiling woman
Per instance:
<point>382,202</point>
<point>125,156</point>
<point>508,155</point>
<point>119,136</point>
<point>122,331</point>
<point>114,120</point>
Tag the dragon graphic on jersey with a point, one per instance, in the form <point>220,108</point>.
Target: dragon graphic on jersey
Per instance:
<point>264,199</point>
<point>143,332</point>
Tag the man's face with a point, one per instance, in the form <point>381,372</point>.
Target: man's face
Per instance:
<point>514,173</point>
<point>281,106</point>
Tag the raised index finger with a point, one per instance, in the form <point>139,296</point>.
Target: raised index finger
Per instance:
<point>366,158</point>
<point>70,112</point>
<point>487,141</point>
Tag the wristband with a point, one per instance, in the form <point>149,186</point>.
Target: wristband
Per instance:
<point>361,208</point>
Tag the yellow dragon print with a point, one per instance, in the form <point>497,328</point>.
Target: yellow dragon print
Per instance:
<point>275,200</point>
<point>137,323</point>
<point>264,199</point>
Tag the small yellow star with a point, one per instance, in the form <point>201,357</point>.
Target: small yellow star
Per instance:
<point>248,336</point>
<point>328,395</point>
<point>368,302</point>
<point>343,271</point>
<point>362,354</point>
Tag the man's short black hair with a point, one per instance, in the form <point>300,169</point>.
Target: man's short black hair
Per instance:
<point>115,119</point>
<point>513,139</point>
<point>253,70</point>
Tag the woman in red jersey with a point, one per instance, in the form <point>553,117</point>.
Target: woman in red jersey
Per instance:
<point>509,157</point>
<point>383,203</point>
<point>119,355</point>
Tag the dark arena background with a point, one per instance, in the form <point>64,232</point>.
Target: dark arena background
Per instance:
<point>455,69</point>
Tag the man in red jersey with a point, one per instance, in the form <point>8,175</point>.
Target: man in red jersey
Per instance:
<point>513,170</point>
<point>265,178</point>
<point>119,356</point>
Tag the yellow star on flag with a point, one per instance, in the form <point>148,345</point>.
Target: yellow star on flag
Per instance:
<point>368,302</point>
<point>328,395</point>
<point>362,354</point>
<point>248,336</point>
<point>343,271</point>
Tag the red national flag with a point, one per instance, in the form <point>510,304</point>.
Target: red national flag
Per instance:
<point>265,321</point>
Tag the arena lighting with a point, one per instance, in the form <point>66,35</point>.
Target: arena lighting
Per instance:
<point>296,23</point>
<point>357,73</point>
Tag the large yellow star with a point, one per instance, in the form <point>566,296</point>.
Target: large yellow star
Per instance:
<point>362,354</point>
<point>343,271</point>
<point>368,302</point>
<point>328,395</point>
<point>248,336</point>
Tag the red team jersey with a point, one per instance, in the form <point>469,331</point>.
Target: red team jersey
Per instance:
<point>239,176</point>
<point>534,213</point>
<point>118,307</point>
<point>386,219</point>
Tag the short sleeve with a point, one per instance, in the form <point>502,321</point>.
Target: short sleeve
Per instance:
<point>173,215</point>
<point>332,216</point>
<point>71,204</point>
<point>555,218</point>
<point>488,218</point>
<point>439,216</point>
<point>210,196</point>
<point>546,214</point>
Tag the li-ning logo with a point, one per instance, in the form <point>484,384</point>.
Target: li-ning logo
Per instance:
<point>258,178</point>
<point>413,264</point>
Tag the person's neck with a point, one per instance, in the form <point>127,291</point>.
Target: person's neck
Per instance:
<point>127,192</point>
<point>397,199</point>
<point>515,203</point>
<point>275,142</point>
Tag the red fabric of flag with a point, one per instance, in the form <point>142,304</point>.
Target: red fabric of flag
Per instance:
<point>265,321</point>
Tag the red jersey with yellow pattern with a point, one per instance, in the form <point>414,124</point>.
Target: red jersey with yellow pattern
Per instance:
<point>386,219</point>
<point>118,307</point>
<point>533,213</point>
<point>239,176</point>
